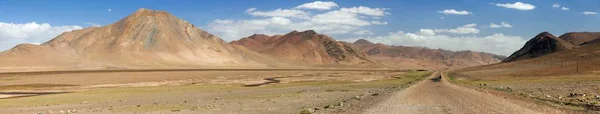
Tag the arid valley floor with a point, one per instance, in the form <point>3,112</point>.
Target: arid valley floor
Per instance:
<point>153,62</point>
<point>275,91</point>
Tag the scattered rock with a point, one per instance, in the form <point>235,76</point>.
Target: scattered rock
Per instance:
<point>374,94</point>
<point>176,110</point>
<point>576,95</point>
<point>138,105</point>
<point>328,106</point>
<point>318,108</point>
<point>218,98</point>
<point>306,111</point>
<point>548,96</point>
<point>340,104</point>
<point>357,97</point>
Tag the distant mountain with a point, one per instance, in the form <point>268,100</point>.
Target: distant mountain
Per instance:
<point>306,47</point>
<point>543,44</point>
<point>146,38</point>
<point>420,57</point>
<point>579,38</point>
<point>363,42</point>
<point>592,42</point>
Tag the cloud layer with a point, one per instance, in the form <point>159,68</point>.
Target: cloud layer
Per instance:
<point>497,43</point>
<point>501,25</point>
<point>318,5</point>
<point>517,5</point>
<point>328,20</point>
<point>559,6</point>
<point>589,13</point>
<point>12,34</point>
<point>454,12</point>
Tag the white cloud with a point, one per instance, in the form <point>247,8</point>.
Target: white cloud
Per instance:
<point>426,32</point>
<point>352,20</point>
<point>517,5</point>
<point>12,34</point>
<point>454,12</point>
<point>589,13</point>
<point>280,21</point>
<point>109,10</point>
<point>379,23</point>
<point>363,32</point>
<point>278,13</point>
<point>501,25</point>
<point>250,10</point>
<point>442,18</point>
<point>339,17</point>
<point>465,29</point>
<point>559,6</point>
<point>318,5</point>
<point>366,11</point>
<point>497,43</point>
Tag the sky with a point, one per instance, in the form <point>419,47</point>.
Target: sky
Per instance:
<point>493,26</point>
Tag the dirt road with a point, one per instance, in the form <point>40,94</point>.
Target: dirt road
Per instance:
<point>440,96</point>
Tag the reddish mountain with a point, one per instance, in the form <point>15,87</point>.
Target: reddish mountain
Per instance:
<point>419,57</point>
<point>146,38</point>
<point>305,47</point>
<point>578,38</point>
<point>540,45</point>
<point>256,41</point>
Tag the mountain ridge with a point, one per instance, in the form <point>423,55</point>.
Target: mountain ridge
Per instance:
<point>145,38</point>
<point>421,57</point>
<point>308,46</point>
<point>542,44</point>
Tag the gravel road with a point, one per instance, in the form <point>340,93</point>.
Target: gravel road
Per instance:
<point>440,96</point>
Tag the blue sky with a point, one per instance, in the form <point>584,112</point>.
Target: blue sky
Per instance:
<point>465,25</point>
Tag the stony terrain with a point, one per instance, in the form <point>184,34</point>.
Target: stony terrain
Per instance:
<point>566,78</point>
<point>213,91</point>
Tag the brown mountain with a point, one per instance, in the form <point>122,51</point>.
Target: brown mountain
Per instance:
<point>540,45</point>
<point>307,47</point>
<point>146,38</point>
<point>592,42</point>
<point>420,57</point>
<point>578,38</point>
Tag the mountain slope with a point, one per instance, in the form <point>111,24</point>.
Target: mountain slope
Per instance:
<point>307,47</point>
<point>540,45</point>
<point>578,38</point>
<point>146,38</point>
<point>419,57</point>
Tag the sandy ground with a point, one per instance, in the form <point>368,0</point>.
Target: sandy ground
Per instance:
<point>263,91</point>
<point>439,96</point>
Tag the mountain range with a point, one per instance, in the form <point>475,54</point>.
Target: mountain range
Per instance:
<point>158,39</point>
